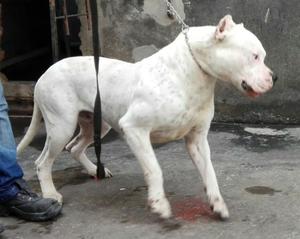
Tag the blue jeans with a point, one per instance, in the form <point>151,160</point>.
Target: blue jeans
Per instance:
<point>10,170</point>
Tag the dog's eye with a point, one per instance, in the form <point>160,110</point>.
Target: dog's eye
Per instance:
<point>256,57</point>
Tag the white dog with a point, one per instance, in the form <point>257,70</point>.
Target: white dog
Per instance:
<point>167,96</point>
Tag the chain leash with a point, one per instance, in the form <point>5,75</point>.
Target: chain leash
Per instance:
<point>171,11</point>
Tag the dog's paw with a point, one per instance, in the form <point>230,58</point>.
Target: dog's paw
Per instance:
<point>219,207</point>
<point>55,195</point>
<point>161,207</point>
<point>108,173</point>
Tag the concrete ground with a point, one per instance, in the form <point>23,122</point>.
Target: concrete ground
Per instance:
<point>258,169</point>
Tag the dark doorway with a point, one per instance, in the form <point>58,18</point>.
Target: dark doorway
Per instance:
<point>26,39</point>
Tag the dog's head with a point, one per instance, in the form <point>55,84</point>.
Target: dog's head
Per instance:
<point>237,56</point>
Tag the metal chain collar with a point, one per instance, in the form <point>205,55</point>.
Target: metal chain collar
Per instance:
<point>184,29</point>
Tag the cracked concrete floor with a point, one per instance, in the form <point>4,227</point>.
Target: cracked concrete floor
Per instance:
<point>258,169</point>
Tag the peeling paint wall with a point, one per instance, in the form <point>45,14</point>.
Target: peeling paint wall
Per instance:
<point>133,29</point>
<point>85,33</point>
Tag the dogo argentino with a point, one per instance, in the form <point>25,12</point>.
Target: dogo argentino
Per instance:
<point>167,96</point>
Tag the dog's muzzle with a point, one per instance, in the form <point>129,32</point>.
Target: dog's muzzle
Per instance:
<point>249,90</point>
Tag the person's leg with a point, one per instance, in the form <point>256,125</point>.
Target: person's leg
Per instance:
<point>15,196</point>
<point>10,171</point>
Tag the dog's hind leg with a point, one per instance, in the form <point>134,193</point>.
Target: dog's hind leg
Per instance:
<point>57,137</point>
<point>80,143</point>
<point>198,148</point>
<point>138,139</point>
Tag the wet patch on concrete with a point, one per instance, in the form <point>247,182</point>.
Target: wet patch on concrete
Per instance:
<point>61,178</point>
<point>39,228</point>
<point>140,188</point>
<point>44,228</point>
<point>170,225</point>
<point>261,143</point>
<point>128,205</point>
<point>262,190</point>
<point>11,227</point>
<point>266,131</point>
<point>259,138</point>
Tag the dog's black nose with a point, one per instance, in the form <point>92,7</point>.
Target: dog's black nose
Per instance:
<point>274,78</point>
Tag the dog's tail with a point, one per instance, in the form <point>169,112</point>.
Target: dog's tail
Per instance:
<point>32,130</point>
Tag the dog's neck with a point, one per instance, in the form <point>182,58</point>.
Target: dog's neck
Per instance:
<point>194,79</point>
<point>199,40</point>
<point>193,67</point>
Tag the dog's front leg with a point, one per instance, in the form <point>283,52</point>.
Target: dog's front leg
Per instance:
<point>198,148</point>
<point>138,140</point>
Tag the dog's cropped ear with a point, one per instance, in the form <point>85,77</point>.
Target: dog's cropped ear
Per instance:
<point>225,24</point>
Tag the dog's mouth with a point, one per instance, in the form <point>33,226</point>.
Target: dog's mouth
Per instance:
<point>249,90</point>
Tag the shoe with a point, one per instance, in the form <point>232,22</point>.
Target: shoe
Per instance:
<point>29,206</point>
<point>1,228</point>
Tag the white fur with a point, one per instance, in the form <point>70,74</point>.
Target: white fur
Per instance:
<point>161,98</point>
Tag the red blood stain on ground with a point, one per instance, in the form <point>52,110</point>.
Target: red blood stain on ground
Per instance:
<point>191,209</point>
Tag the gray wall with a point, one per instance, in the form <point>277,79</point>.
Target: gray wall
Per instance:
<point>133,29</point>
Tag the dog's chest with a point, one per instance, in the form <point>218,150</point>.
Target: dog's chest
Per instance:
<point>181,109</point>
<point>182,123</point>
